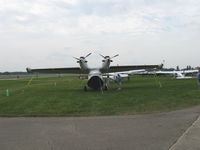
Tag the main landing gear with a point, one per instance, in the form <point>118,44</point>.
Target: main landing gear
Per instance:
<point>106,88</point>
<point>85,88</point>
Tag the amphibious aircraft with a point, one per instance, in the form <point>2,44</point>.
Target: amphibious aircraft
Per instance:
<point>95,75</point>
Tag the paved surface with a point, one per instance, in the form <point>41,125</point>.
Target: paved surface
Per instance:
<point>139,132</point>
<point>190,140</point>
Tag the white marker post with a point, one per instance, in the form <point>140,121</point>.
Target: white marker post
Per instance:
<point>7,93</point>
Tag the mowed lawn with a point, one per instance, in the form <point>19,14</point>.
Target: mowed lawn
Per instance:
<point>64,96</point>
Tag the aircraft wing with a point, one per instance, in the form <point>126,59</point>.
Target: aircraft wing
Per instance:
<point>181,72</point>
<point>132,67</point>
<point>130,72</point>
<point>166,72</point>
<point>190,71</point>
<point>72,70</point>
<point>123,74</point>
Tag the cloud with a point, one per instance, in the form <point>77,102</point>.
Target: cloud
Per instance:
<point>141,27</point>
<point>75,17</point>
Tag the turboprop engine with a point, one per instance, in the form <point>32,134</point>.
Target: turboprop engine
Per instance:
<point>106,62</point>
<point>83,62</point>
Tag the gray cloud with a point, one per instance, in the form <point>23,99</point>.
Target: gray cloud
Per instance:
<point>141,31</point>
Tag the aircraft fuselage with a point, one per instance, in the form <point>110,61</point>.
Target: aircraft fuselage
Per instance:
<point>95,77</point>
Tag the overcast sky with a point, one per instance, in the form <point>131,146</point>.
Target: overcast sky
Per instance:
<point>48,33</point>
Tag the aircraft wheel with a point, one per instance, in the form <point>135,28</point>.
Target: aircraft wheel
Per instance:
<point>106,88</point>
<point>85,88</point>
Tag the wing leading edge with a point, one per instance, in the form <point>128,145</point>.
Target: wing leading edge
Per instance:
<point>133,67</point>
<point>72,70</point>
<point>77,70</point>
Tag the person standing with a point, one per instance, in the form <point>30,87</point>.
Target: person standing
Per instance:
<point>119,81</point>
<point>107,82</point>
<point>198,79</point>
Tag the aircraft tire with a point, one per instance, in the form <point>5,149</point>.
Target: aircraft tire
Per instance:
<point>105,88</point>
<point>85,88</point>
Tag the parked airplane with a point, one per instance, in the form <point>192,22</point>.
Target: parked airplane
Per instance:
<point>95,75</point>
<point>123,74</point>
<point>177,74</point>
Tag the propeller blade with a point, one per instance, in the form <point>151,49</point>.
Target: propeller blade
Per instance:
<point>114,56</point>
<point>76,58</point>
<point>102,56</point>
<point>88,55</point>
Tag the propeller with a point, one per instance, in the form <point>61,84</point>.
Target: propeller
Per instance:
<point>82,57</point>
<point>109,56</point>
<point>76,58</point>
<point>88,55</point>
<point>114,56</point>
<point>102,56</point>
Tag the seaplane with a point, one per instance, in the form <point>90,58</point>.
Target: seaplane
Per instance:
<point>96,76</point>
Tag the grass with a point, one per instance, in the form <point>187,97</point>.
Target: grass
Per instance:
<point>66,98</point>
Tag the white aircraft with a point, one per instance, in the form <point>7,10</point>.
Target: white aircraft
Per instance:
<point>96,75</point>
<point>177,74</point>
<point>123,74</point>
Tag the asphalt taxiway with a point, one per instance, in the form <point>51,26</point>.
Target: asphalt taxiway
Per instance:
<point>159,131</point>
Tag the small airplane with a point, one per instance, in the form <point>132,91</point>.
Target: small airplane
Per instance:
<point>177,74</point>
<point>123,74</point>
<point>96,75</point>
